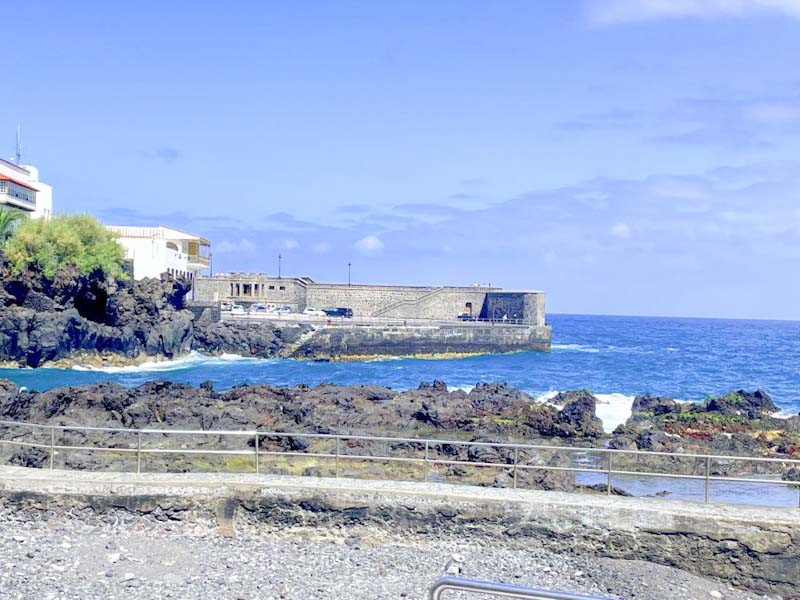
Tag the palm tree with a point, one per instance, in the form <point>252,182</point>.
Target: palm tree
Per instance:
<point>9,218</point>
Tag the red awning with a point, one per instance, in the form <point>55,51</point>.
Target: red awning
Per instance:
<point>17,181</point>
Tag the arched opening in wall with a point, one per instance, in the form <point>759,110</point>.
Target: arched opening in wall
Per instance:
<point>172,246</point>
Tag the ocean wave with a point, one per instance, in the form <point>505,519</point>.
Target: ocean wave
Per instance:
<point>189,361</point>
<point>574,347</point>
<point>612,409</point>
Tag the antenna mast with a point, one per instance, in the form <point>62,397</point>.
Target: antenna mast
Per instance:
<point>19,149</point>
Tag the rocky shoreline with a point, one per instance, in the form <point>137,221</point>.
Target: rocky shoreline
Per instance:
<point>738,424</point>
<point>75,319</point>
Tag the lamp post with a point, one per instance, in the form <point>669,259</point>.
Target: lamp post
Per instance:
<point>279,266</point>
<point>348,273</point>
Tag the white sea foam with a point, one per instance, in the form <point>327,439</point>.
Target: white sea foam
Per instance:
<point>612,409</point>
<point>574,347</point>
<point>193,359</point>
<point>463,388</point>
<point>547,396</point>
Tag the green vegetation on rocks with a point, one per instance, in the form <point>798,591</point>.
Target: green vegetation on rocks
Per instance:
<point>64,241</point>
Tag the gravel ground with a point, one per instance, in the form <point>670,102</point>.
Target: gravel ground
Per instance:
<point>84,556</point>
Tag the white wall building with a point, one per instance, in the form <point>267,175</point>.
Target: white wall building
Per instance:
<point>157,250</point>
<point>20,188</point>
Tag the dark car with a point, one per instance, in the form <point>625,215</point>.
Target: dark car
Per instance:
<point>339,312</point>
<point>465,316</point>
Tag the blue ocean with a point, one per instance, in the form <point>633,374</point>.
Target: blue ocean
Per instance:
<point>615,357</point>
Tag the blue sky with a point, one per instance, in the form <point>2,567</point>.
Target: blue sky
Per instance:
<point>626,156</point>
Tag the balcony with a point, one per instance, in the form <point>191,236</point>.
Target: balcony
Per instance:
<point>11,200</point>
<point>198,262</point>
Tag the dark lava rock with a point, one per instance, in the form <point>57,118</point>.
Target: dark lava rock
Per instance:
<point>356,409</point>
<point>750,404</point>
<point>792,474</point>
<point>72,315</point>
<point>29,457</point>
<point>654,406</point>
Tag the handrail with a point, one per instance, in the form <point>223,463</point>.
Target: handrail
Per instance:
<point>505,463</point>
<point>399,303</point>
<point>461,584</point>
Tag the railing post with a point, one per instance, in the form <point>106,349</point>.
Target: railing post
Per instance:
<point>516,461</point>
<point>610,468</point>
<point>138,452</point>
<point>426,460</point>
<point>708,472</point>
<point>258,466</point>
<point>338,440</point>
<point>52,446</point>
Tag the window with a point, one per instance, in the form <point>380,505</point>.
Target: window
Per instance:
<point>272,287</point>
<point>283,287</point>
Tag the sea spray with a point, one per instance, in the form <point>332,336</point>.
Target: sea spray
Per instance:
<point>612,409</point>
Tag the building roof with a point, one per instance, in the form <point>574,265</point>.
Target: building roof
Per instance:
<point>13,166</point>
<point>161,232</point>
<point>17,181</point>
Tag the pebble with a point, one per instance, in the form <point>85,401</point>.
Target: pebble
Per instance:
<point>192,560</point>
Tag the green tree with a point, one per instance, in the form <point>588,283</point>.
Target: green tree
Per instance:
<point>77,240</point>
<point>9,218</point>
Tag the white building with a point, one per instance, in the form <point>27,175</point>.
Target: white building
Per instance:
<point>20,188</point>
<point>157,250</point>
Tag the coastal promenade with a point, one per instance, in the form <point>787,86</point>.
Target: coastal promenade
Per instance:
<point>755,547</point>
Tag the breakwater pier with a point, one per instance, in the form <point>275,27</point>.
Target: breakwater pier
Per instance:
<point>384,320</point>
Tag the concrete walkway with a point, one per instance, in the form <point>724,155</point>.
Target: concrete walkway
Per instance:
<point>21,479</point>
<point>758,547</point>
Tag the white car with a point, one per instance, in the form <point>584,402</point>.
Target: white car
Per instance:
<point>314,312</point>
<point>283,310</point>
<point>237,309</point>
<point>226,306</point>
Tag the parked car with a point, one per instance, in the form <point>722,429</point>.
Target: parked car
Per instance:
<point>259,308</point>
<point>237,309</point>
<point>283,310</point>
<point>225,306</point>
<point>314,312</point>
<point>465,316</point>
<point>339,312</point>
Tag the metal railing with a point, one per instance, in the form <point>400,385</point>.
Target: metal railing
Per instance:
<point>364,321</point>
<point>461,584</point>
<point>429,453</point>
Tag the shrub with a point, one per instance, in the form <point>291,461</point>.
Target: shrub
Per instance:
<point>65,240</point>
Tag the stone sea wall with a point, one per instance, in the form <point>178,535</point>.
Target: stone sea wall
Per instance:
<point>343,341</point>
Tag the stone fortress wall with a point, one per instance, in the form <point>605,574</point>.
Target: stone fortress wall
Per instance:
<point>404,302</point>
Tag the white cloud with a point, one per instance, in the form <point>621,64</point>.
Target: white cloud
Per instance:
<point>321,247</point>
<point>243,246</point>
<point>621,230</point>
<point>369,245</point>
<point>613,12</point>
